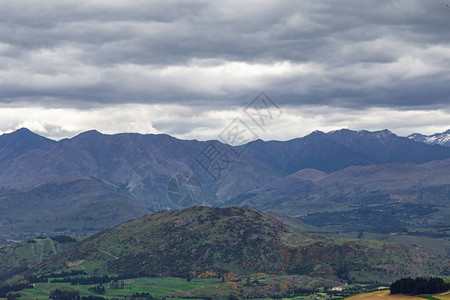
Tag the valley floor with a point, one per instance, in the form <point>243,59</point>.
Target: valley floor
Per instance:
<point>256,287</point>
<point>213,288</point>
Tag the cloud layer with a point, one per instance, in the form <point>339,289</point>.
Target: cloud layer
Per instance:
<point>215,56</point>
<point>190,123</point>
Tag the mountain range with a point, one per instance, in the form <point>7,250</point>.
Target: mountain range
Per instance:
<point>93,181</point>
<point>442,139</point>
<point>339,149</point>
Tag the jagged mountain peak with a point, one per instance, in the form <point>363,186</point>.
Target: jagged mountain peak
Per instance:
<point>415,134</point>
<point>378,134</point>
<point>318,132</point>
<point>16,143</point>
<point>315,134</point>
<point>88,134</point>
<point>442,139</point>
<point>361,133</point>
<point>24,133</point>
<point>23,130</point>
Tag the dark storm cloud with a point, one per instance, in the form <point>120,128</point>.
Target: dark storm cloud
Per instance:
<point>341,53</point>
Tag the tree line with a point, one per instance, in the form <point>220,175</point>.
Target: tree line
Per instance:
<point>4,290</point>
<point>418,286</point>
<point>75,295</point>
<point>86,280</point>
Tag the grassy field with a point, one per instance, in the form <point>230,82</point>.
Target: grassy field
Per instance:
<point>385,295</point>
<point>158,287</point>
<point>256,286</point>
<point>178,288</point>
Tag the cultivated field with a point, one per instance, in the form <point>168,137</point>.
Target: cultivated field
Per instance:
<point>385,295</point>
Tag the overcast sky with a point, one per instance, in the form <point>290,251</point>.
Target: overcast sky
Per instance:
<point>188,68</point>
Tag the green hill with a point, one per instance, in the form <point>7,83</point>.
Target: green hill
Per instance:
<point>202,241</point>
<point>19,257</point>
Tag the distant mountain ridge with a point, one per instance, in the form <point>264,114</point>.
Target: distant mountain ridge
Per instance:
<point>69,205</point>
<point>140,164</point>
<point>339,149</point>
<point>442,139</point>
<point>134,170</point>
<point>309,190</point>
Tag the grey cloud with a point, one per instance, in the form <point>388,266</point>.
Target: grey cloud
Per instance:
<point>123,51</point>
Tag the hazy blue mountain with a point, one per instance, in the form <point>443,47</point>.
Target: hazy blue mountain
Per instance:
<point>19,142</point>
<point>311,190</point>
<point>77,205</point>
<point>404,198</point>
<point>343,148</point>
<point>442,139</point>
<point>315,150</point>
<point>137,170</point>
<point>142,165</point>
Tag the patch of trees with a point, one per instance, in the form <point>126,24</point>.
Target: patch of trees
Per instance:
<point>410,286</point>
<point>116,285</point>
<point>36,279</point>
<point>343,273</point>
<point>143,296</point>
<point>85,280</point>
<point>98,289</point>
<point>4,290</point>
<point>64,295</point>
<point>254,282</point>
<point>91,297</point>
<point>63,239</point>
<point>44,278</point>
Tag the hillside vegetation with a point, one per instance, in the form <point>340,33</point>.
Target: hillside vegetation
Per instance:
<point>19,257</point>
<point>210,242</point>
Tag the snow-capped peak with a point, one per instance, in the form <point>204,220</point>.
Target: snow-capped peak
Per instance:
<point>442,139</point>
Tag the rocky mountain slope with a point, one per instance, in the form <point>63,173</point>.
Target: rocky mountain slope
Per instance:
<point>442,139</point>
